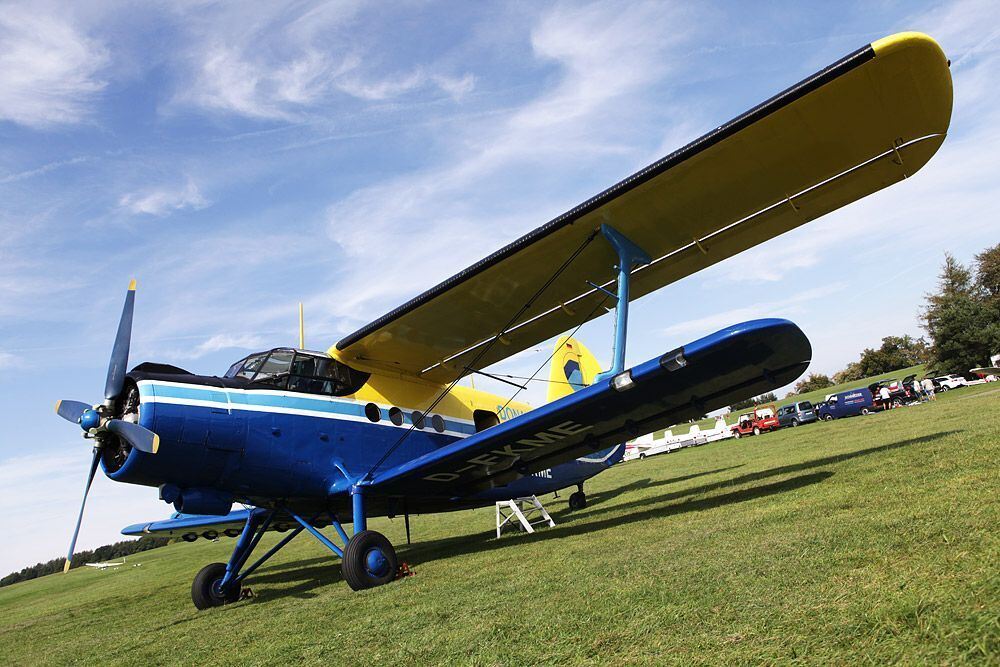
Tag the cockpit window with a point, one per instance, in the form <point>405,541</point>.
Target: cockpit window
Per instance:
<point>312,373</point>
<point>277,363</point>
<point>323,375</point>
<point>234,369</point>
<point>249,368</point>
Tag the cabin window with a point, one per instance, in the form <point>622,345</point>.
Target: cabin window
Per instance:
<point>373,412</point>
<point>438,423</point>
<point>418,419</point>
<point>396,416</point>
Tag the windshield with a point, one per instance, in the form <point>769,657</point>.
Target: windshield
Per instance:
<point>293,370</point>
<point>805,405</point>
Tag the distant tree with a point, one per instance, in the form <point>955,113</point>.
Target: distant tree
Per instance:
<point>813,382</point>
<point>896,352</point>
<point>988,273</point>
<point>850,373</point>
<point>769,397</point>
<point>962,318</point>
<point>105,553</point>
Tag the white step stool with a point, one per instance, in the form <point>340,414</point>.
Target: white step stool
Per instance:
<point>526,512</point>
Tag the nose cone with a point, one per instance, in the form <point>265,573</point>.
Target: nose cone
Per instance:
<point>89,419</point>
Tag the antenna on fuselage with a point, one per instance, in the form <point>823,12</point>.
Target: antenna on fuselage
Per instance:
<point>302,329</point>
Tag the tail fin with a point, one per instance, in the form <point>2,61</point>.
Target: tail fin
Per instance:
<point>573,367</point>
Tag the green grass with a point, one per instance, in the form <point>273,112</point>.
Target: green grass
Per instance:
<point>811,396</point>
<point>865,540</point>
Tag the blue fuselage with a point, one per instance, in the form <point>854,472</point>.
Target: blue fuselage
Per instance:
<point>262,445</point>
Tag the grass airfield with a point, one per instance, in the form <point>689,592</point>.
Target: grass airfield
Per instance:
<point>864,540</point>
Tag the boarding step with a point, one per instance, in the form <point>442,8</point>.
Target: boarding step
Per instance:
<point>522,514</point>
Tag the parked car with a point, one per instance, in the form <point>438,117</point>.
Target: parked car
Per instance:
<point>795,414</point>
<point>761,420</point>
<point>899,393</point>
<point>847,404</point>
<point>948,382</point>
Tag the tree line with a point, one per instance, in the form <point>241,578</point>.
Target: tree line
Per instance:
<point>108,552</point>
<point>962,321</point>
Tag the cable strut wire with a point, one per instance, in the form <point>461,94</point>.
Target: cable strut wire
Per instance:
<point>487,348</point>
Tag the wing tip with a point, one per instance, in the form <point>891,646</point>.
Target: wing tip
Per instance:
<point>131,285</point>
<point>904,40</point>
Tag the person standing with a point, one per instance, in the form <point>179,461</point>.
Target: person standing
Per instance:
<point>884,395</point>
<point>917,392</point>
<point>928,385</point>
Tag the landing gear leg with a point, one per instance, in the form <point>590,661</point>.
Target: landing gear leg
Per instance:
<point>578,500</point>
<point>369,559</point>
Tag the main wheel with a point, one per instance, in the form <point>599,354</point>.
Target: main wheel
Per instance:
<point>756,430</point>
<point>206,590</point>
<point>795,422</point>
<point>828,417</point>
<point>369,561</point>
<point>577,500</point>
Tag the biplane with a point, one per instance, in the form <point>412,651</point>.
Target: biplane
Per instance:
<point>377,425</point>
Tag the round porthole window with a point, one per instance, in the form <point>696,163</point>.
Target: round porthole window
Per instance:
<point>372,412</point>
<point>396,416</point>
<point>438,423</point>
<point>418,419</point>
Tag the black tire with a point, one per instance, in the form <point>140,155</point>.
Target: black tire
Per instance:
<point>944,388</point>
<point>642,456</point>
<point>828,418</point>
<point>369,561</point>
<point>756,430</point>
<point>737,435</point>
<point>205,591</point>
<point>577,500</point>
<point>795,422</point>
<point>865,411</point>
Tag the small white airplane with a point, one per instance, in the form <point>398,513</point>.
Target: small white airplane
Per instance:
<point>106,564</point>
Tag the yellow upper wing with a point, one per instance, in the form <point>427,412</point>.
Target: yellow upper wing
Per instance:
<point>866,122</point>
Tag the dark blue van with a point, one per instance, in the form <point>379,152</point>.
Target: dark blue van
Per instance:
<point>847,404</point>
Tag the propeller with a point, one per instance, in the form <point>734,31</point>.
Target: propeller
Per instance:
<point>98,421</point>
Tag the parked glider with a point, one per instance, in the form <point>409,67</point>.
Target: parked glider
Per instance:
<point>377,424</point>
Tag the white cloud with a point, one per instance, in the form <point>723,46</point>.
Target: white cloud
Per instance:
<point>227,342</point>
<point>49,71</point>
<point>163,201</point>
<point>265,65</point>
<point>39,171</point>
<point>8,360</point>
<point>603,54</point>
<point>782,307</point>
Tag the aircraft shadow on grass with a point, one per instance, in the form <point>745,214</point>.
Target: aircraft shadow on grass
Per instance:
<point>311,573</point>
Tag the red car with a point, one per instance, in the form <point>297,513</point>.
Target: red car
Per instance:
<point>761,420</point>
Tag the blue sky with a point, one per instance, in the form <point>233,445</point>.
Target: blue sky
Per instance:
<point>239,158</point>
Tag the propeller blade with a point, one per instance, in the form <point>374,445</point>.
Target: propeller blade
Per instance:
<point>79,519</point>
<point>139,437</point>
<point>119,353</point>
<point>71,410</point>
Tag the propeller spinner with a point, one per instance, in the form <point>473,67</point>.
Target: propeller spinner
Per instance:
<point>98,422</point>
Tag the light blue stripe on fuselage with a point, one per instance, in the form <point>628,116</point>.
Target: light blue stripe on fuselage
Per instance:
<point>233,399</point>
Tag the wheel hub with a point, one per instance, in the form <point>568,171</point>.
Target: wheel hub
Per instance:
<point>376,563</point>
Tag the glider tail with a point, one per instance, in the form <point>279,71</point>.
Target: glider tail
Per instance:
<point>573,367</point>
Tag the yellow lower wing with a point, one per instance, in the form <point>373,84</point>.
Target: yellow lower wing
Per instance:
<point>864,123</point>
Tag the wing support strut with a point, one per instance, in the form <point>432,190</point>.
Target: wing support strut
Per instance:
<point>629,255</point>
